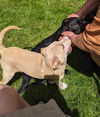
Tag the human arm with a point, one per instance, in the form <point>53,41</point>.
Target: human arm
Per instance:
<point>86,8</point>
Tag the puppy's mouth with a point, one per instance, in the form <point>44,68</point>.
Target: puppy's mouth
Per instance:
<point>69,50</point>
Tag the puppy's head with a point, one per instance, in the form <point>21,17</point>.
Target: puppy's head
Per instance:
<point>56,53</point>
<point>74,24</point>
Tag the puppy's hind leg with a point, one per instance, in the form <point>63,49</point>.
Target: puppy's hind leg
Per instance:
<point>8,73</point>
<point>7,76</point>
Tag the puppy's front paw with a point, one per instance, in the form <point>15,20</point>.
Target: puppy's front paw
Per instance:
<point>64,86</point>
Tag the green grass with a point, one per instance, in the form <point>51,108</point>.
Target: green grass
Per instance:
<point>39,19</point>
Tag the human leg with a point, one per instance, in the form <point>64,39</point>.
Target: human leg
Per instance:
<point>10,100</point>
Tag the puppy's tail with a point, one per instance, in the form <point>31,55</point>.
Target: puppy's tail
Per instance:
<point>2,33</point>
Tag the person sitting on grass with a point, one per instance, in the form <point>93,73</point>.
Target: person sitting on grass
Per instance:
<point>13,105</point>
<point>89,40</point>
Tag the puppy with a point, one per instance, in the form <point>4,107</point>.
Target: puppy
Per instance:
<point>49,64</point>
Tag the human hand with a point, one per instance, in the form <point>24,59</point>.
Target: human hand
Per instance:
<point>71,35</point>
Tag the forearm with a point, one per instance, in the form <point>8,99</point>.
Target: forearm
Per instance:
<point>88,7</point>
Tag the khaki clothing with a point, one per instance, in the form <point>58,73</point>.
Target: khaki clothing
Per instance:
<point>91,38</point>
<point>49,109</point>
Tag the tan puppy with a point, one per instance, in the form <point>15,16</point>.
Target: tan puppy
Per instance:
<point>49,64</point>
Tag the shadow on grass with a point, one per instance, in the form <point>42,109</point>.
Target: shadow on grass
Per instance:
<point>83,63</point>
<point>40,93</point>
<point>37,93</point>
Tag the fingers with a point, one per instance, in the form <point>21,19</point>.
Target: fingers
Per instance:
<point>66,34</point>
<point>73,15</point>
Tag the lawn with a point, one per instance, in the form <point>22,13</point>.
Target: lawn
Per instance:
<point>39,19</point>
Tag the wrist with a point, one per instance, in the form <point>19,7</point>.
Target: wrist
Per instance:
<point>81,14</point>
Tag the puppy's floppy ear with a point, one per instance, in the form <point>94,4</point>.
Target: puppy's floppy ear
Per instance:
<point>43,51</point>
<point>55,63</point>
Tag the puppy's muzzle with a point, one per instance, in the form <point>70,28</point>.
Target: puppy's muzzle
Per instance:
<point>67,44</point>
